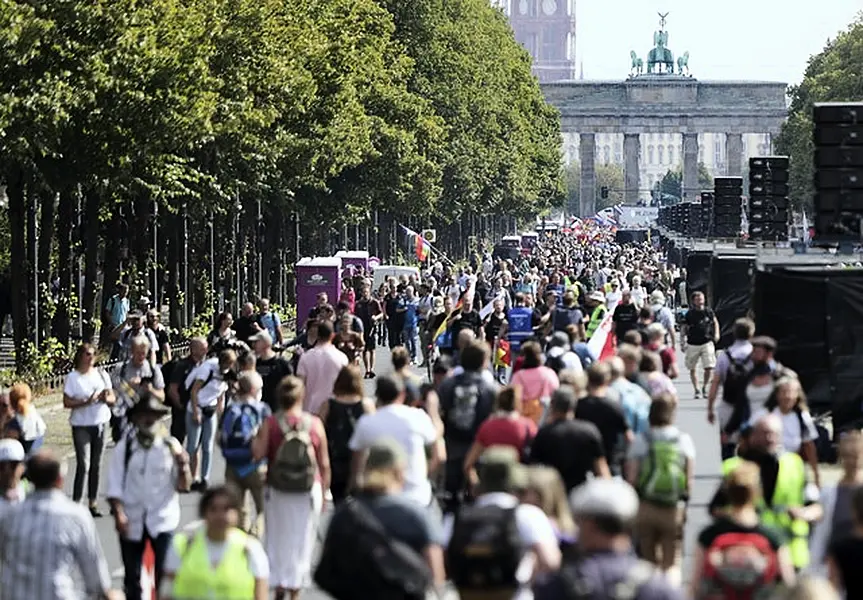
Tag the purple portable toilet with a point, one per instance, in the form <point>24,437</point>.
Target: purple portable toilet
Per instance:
<point>316,275</point>
<point>354,258</point>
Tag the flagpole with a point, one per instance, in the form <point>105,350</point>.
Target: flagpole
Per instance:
<point>432,248</point>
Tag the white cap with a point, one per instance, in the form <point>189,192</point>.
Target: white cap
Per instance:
<point>11,451</point>
<point>605,498</point>
<point>657,297</point>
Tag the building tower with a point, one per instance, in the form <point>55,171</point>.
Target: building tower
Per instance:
<point>546,28</point>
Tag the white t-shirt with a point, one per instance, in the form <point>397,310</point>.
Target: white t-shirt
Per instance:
<point>413,429</point>
<point>80,386</point>
<point>209,393</point>
<point>792,436</point>
<point>257,557</point>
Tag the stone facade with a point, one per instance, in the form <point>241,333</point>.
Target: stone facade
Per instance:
<point>683,110</point>
<point>546,29</point>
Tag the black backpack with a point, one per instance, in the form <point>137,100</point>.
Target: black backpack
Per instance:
<point>485,550</point>
<point>362,560</point>
<point>555,363</point>
<point>577,586</point>
<point>736,379</point>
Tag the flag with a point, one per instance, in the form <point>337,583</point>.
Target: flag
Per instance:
<point>422,248</point>
<point>441,330</point>
<point>503,355</point>
<point>601,343</point>
<point>805,226</point>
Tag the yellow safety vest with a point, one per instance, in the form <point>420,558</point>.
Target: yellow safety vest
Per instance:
<point>196,579</point>
<point>788,493</point>
<point>596,318</point>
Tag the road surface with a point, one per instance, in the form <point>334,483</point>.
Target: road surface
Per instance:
<point>691,419</point>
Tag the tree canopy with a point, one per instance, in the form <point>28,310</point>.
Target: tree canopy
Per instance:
<point>833,75</point>
<point>120,118</point>
<point>607,176</point>
<point>669,189</point>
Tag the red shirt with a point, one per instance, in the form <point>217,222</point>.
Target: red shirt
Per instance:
<point>667,356</point>
<point>506,431</point>
<point>276,436</point>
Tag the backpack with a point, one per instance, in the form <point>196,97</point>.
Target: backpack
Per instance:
<point>340,425</point>
<point>577,587</point>
<point>461,416</point>
<point>485,550</point>
<point>736,380</point>
<point>239,425</point>
<point>662,479</point>
<point>362,560</point>
<point>294,468</point>
<point>739,566</point>
<point>555,363</point>
<point>563,317</point>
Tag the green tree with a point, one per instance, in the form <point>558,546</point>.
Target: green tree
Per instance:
<point>670,187</point>
<point>833,75</point>
<point>609,176</point>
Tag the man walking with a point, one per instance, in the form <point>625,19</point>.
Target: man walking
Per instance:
<point>49,546</point>
<point>700,332</point>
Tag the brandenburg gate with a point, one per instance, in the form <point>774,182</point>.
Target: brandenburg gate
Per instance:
<point>664,99</point>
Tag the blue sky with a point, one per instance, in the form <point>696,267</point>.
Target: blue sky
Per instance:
<point>730,39</point>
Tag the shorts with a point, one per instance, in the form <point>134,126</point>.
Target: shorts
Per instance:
<point>371,341</point>
<point>705,353</point>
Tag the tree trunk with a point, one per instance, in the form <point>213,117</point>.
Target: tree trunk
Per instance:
<point>172,234</point>
<point>48,199</point>
<point>111,275</point>
<point>65,225</point>
<point>91,232</point>
<point>18,262</point>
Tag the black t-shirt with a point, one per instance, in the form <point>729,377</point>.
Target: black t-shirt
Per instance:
<point>244,328</point>
<point>625,319</point>
<point>468,320</point>
<point>367,310</point>
<point>724,525</point>
<point>162,338</point>
<point>466,400</point>
<point>492,327</point>
<point>848,555</point>
<point>570,446</point>
<point>272,371</point>
<point>395,319</point>
<point>699,326</point>
<point>609,418</point>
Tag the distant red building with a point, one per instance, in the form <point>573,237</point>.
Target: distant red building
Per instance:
<point>546,28</point>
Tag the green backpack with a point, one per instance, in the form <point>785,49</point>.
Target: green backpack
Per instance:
<point>662,477</point>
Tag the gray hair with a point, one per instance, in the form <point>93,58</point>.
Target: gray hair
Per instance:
<point>139,341</point>
<point>249,382</point>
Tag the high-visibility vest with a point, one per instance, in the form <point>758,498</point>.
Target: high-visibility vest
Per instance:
<point>596,318</point>
<point>196,579</point>
<point>788,493</point>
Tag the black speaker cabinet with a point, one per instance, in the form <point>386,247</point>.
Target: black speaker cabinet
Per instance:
<point>838,157</point>
<point>768,215</point>
<point>768,188</point>
<point>839,179</point>
<point>769,162</point>
<point>845,113</point>
<point>839,135</point>
<point>768,175</point>
<point>768,202</point>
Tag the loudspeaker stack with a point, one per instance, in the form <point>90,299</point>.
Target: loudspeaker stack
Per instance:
<point>838,171</point>
<point>727,202</point>
<point>705,215</point>
<point>768,198</point>
<point>664,217</point>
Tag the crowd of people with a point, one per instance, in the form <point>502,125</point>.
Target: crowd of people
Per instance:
<point>541,457</point>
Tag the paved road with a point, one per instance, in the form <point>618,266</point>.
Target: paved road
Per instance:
<point>691,418</point>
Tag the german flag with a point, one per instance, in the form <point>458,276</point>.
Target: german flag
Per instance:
<point>503,356</point>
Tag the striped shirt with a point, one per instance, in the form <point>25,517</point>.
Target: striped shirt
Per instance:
<point>49,550</point>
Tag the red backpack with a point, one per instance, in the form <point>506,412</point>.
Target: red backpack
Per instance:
<point>739,566</point>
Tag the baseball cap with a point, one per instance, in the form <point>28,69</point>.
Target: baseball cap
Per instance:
<point>262,335</point>
<point>11,451</point>
<point>500,470</point>
<point>612,498</point>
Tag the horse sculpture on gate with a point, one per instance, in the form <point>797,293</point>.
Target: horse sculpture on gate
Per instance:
<point>637,64</point>
<point>683,63</point>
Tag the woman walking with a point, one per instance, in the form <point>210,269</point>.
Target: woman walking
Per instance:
<point>294,443</point>
<point>88,394</point>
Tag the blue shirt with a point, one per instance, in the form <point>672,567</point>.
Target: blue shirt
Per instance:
<point>411,312</point>
<point>270,321</point>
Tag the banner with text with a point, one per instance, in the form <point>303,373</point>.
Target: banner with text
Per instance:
<point>638,217</point>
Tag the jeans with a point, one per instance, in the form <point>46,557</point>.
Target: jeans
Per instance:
<point>201,435</point>
<point>410,337</point>
<point>133,553</point>
<point>89,440</point>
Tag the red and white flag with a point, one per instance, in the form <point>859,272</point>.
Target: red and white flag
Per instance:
<point>601,343</point>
